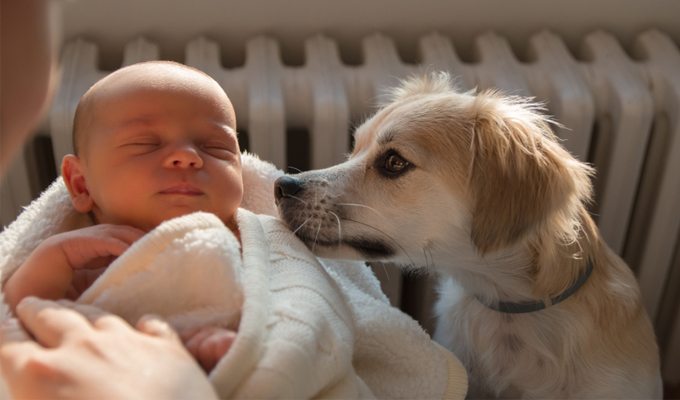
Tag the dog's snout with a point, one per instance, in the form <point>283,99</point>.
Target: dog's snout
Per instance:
<point>286,186</point>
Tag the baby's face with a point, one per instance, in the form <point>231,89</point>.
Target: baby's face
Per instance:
<point>157,152</point>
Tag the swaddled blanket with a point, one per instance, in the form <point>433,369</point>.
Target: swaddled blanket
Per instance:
<point>308,328</point>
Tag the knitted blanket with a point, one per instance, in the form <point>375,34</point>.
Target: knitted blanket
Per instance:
<point>307,327</point>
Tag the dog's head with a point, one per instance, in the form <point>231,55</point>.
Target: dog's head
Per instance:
<point>435,169</point>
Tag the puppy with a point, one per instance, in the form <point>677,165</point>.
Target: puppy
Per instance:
<point>477,188</point>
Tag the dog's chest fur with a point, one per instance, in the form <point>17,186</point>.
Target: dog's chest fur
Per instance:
<point>506,355</point>
<point>533,355</point>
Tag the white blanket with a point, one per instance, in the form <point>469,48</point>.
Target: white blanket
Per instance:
<point>308,328</point>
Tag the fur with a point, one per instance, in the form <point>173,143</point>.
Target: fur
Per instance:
<point>476,187</point>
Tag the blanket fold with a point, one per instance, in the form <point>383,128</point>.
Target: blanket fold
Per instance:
<point>193,260</point>
<point>307,328</point>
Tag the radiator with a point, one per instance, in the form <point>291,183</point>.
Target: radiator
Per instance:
<point>619,111</point>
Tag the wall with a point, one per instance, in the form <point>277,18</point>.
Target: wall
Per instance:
<point>172,23</point>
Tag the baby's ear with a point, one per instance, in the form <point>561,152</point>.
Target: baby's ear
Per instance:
<point>72,172</point>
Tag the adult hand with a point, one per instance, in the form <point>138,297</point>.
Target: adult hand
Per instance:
<point>81,352</point>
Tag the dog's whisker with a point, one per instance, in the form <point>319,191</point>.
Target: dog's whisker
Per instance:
<point>299,199</point>
<point>361,205</point>
<point>387,274</point>
<point>412,263</point>
<point>301,225</point>
<point>325,192</point>
<point>427,261</point>
<point>296,169</point>
<point>337,218</point>
<point>316,237</point>
<point>429,251</point>
<point>429,257</point>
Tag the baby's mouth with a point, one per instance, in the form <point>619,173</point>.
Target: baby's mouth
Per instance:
<point>182,189</point>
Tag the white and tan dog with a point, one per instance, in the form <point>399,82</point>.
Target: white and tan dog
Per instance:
<point>477,188</point>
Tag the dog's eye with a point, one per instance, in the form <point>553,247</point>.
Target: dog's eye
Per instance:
<point>391,164</point>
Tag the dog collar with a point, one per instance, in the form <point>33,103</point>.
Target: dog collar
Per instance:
<point>531,306</point>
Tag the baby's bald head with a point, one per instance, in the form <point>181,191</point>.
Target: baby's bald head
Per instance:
<point>152,75</point>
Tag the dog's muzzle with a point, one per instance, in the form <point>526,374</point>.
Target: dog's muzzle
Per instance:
<point>317,222</point>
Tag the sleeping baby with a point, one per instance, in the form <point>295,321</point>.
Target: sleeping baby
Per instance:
<point>152,141</point>
<point>158,212</point>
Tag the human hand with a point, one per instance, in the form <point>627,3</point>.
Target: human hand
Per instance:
<point>62,265</point>
<point>94,246</point>
<point>82,352</point>
<point>208,344</point>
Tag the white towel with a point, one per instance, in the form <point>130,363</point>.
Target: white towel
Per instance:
<point>187,270</point>
<point>308,328</point>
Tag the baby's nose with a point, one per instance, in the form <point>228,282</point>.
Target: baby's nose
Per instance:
<point>184,157</point>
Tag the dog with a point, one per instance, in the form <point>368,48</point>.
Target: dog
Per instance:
<point>476,187</point>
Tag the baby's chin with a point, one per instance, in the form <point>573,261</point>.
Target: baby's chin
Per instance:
<point>153,223</point>
<point>148,222</point>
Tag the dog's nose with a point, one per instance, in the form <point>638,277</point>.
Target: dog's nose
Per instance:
<point>286,186</point>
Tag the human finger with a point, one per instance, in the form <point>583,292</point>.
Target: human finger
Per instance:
<point>15,356</point>
<point>89,247</point>
<point>97,317</point>
<point>48,321</point>
<point>91,252</point>
<point>12,331</point>
<point>82,280</point>
<point>156,326</point>
<point>223,341</point>
<point>193,343</point>
<point>215,347</point>
<point>126,233</point>
<point>120,237</point>
<point>186,333</point>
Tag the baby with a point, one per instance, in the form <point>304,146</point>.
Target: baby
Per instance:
<point>152,141</point>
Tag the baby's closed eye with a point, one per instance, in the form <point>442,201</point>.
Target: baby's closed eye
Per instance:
<point>219,148</point>
<point>140,143</point>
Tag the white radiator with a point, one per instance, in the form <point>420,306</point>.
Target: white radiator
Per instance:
<point>620,113</point>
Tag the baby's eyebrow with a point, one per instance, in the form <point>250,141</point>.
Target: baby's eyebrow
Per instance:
<point>221,128</point>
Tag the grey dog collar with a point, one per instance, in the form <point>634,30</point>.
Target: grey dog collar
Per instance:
<point>531,306</point>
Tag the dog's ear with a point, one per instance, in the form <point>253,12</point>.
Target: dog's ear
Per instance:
<point>519,175</point>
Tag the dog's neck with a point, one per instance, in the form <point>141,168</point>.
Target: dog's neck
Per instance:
<point>539,267</point>
<point>506,275</point>
<point>511,274</point>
